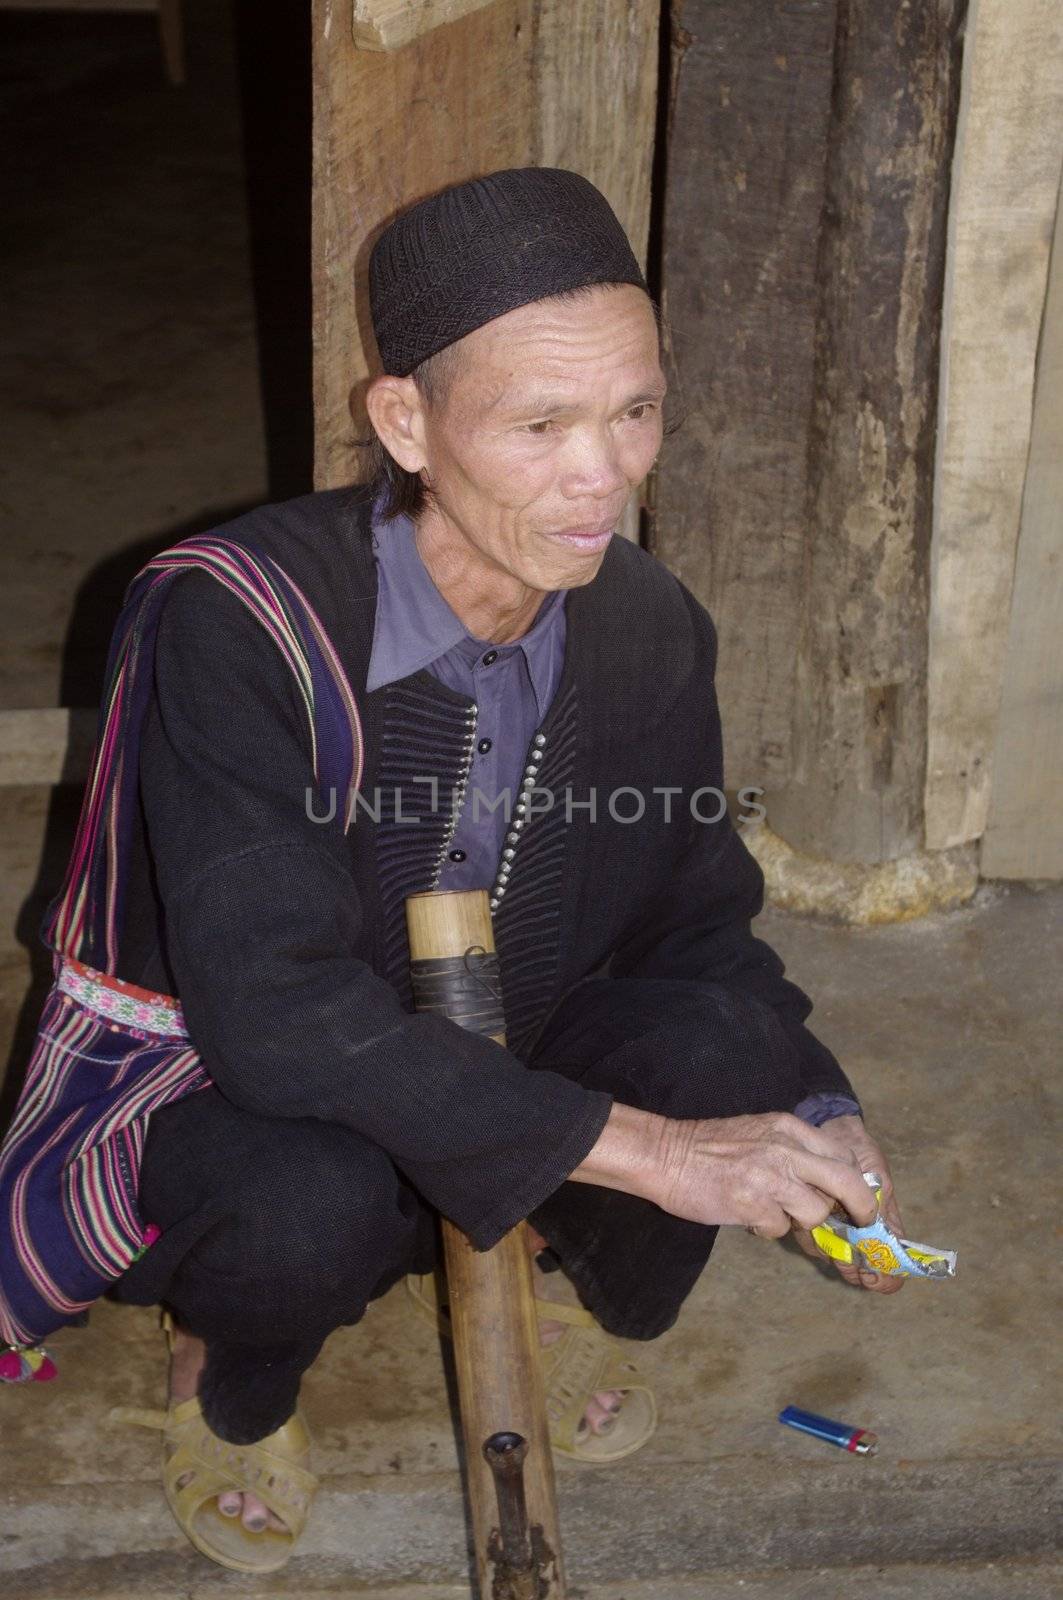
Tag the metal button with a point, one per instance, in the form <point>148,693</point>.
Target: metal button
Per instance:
<point>540,738</point>
<point>492,655</point>
<point>507,855</point>
<point>484,746</point>
<point>457,855</point>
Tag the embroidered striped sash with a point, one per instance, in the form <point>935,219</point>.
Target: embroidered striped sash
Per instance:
<point>107,1053</point>
<point>86,915</point>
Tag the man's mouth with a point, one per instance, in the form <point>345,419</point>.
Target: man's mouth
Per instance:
<point>592,538</point>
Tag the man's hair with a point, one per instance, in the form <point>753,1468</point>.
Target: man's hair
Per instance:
<point>406,493</point>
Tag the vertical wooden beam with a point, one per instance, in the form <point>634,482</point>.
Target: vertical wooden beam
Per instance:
<point>1008,159</point>
<point>596,68</point>
<point>515,83</point>
<point>747,143</point>
<point>856,789</point>
<point>1024,836</point>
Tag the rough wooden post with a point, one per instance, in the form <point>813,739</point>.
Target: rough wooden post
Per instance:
<point>856,790</point>
<point>1005,185</point>
<point>747,143</point>
<point>1024,833</point>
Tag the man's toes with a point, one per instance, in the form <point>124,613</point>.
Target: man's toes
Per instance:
<point>597,1417</point>
<point>256,1515</point>
<point>253,1513</point>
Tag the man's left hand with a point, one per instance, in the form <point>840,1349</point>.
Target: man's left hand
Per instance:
<point>853,1139</point>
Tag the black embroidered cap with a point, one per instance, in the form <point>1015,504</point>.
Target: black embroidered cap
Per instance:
<point>477,250</point>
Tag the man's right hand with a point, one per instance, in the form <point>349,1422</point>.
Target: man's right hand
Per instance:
<point>764,1172</point>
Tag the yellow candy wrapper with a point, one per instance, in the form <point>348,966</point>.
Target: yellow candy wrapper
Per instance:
<point>878,1249</point>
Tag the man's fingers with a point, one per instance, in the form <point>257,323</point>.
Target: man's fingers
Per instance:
<point>882,1283</point>
<point>772,1222</point>
<point>806,1242</point>
<point>891,1213</point>
<point>847,1136</point>
<point>840,1180</point>
<point>807,1206</point>
<point>821,1141</point>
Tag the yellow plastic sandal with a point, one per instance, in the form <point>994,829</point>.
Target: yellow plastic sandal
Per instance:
<point>584,1361</point>
<point>198,1466</point>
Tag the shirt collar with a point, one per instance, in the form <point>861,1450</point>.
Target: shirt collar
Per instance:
<point>414,625</point>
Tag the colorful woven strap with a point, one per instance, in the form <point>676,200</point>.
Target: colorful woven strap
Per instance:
<point>84,921</point>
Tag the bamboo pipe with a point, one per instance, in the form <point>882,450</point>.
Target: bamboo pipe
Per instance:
<point>492,1302</point>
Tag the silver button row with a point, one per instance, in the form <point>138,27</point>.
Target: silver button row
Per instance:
<point>518,820</point>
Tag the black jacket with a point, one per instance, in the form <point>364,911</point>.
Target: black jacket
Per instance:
<point>286,940</point>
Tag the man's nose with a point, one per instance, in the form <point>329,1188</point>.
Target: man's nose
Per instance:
<point>594,469</point>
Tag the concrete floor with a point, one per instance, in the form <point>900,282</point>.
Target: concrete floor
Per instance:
<point>951,1028</point>
<point>137,402</point>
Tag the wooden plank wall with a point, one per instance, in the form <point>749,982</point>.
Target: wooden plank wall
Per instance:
<point>1005,183</point>
<point>746,167</point>
<point>804,238</point>
<point>859,735</point>
<point>1024,836</point>
<point>569,83</point>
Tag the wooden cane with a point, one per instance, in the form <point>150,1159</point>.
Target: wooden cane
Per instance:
<point>492,1302</point>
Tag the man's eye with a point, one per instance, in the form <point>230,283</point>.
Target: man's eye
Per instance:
<point>636,413</point>
<point>538,427</point>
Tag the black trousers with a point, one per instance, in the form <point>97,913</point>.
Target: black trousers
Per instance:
<point>278,1231</point>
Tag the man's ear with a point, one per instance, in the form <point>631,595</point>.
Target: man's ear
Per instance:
<point>396,411</point>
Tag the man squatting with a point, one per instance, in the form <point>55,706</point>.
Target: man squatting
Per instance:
<point>659,1080</point>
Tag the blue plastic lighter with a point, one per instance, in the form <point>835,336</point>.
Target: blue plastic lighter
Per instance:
<point>856,1440</point>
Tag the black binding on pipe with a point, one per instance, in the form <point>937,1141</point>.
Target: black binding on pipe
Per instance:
<point>465,988</point>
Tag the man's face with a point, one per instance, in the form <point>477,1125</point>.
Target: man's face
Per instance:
<point>552,418</point>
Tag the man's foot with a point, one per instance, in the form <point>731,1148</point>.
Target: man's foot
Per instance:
<point>604,1407</point>
<point>186,1365</point>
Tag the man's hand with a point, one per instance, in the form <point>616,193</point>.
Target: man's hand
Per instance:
<point>766,1173</point>
<point>849,1137</point>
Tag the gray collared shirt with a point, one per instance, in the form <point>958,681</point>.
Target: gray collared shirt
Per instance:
<point>511,684</point>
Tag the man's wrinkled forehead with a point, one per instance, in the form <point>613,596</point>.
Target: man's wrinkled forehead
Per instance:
<point>547,358</point>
